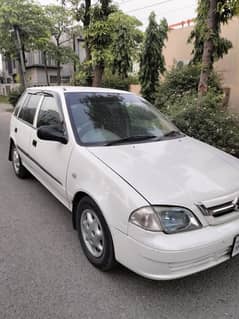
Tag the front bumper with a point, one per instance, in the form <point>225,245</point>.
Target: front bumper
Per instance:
<point>164,257</point>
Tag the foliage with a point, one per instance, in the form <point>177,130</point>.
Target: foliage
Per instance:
<point>14,96</point>
<point>81,11</point>
<point>111,37</point>
<point>98,37</point>
<point>226,10</point>
<point>83,73</point>
<point>23,27</point>
<point>177,97</point>
<point>30,20</point>
<point>182,82</point>
<point>61,30</point>
<point>61,54</point>
<point>126,39</point>
<point>210,124</point>
<point>113,81</point>
<point>152,62</point>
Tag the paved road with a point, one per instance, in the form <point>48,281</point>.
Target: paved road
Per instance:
<point>44,274</point>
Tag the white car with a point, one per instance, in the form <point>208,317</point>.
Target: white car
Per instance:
<point>141,192</point>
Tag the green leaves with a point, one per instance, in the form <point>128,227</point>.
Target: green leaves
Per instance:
<point>180,84</point>
<point>152,62</point>
<point>61,29</point>
<point>126,40</point>
<point>226,9</point>
<point>212,123</point>
<point>33,25</point>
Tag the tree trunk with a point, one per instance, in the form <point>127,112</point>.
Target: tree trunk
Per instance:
<point>46,68</point>
<point>207,58</point>
<point>21,60</point>
<point>58,72</point>
<point>98,74</point>
<point>86,26</point>
<point>87,48</point>
<point>21,74</point>
<point>74,62</point>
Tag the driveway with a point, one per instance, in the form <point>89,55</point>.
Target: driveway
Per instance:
<point>44,274</point>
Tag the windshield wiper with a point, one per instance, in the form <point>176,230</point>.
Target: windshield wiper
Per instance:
<point>173,134</point>
<point>134,138</point>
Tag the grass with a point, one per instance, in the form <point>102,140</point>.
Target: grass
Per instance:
<point>4,99</point>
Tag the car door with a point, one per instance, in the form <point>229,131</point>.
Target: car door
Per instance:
<point>22,125</point>
<point>50,157</point>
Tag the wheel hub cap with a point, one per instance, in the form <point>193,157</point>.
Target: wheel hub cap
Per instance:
<point>92,233</point>
<point>16,160</point>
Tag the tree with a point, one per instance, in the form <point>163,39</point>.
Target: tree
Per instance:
<point>208,48</point>
<point>81,10</point>
<point>111,38</point>
<point>208,45</point>
<point>152,62</point>
<point>23,27</point>
<point>61,32</point>
<point>98,35</point>
<point>126,38</point>
<point>198,34</point>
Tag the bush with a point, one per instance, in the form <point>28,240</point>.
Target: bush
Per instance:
<point>113,81</point>
<point>182,82</point>
<point>212,124</point>
<point>14,96</point>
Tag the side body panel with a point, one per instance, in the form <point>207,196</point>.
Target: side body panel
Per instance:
<point>112,194</point>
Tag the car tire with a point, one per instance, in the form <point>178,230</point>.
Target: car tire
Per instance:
<point>94,235</point>
<point>19,169</point>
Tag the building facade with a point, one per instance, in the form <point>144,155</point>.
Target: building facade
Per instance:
<point>177,49</point>
<point>36,74</point>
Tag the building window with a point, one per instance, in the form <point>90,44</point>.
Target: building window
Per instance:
<point>65,79</point>
<point>53,79</point>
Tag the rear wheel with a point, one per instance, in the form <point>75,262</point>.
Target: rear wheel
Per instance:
<point>94,235</point>
<point>18,168</point>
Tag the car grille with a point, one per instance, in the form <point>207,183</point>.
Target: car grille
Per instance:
<point>220,210</point>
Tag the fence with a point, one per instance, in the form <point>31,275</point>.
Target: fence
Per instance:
<point>5,89</point>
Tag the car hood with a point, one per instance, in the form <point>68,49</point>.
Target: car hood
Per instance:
<point>173,171</point>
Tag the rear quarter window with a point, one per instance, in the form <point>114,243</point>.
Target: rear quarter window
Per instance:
<point>19,104</point>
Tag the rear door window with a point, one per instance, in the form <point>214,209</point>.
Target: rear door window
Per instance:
<point>28,110</point>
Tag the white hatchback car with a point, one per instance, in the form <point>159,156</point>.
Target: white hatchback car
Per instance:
<point>141,192</point>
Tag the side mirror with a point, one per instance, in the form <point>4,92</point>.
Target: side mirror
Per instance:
<point>51,133</point>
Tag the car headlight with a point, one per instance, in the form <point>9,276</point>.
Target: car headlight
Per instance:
<point>168,219</point>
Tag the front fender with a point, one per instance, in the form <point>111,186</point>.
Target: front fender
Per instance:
<point>114,196</point>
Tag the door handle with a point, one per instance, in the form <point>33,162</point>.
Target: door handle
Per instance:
<point>15,130</point>
<point>34,143</point>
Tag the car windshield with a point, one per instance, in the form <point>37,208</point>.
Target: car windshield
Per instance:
<point>116,118</point>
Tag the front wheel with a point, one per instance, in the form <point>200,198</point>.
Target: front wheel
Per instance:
<point>94,235</point>
<point>18,168</point>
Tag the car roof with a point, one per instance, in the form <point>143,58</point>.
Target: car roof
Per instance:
<point>60,89</point>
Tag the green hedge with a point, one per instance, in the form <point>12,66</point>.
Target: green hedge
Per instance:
<point>113,81</point>
<point>212,123</point>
